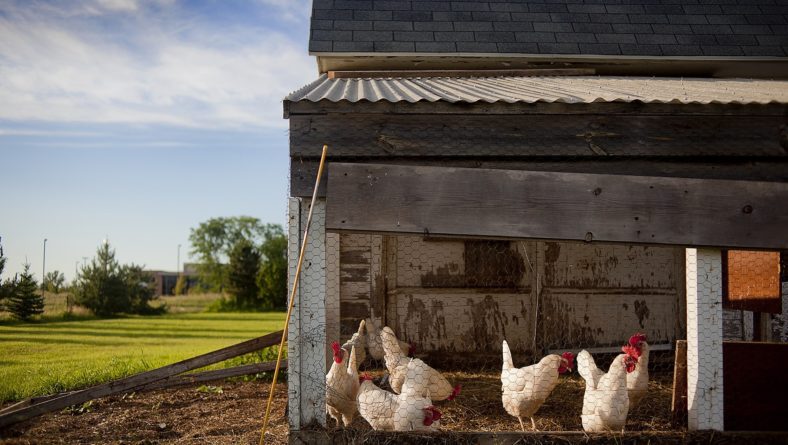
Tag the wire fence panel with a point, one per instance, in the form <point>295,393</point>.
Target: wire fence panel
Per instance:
<point>457,334</point>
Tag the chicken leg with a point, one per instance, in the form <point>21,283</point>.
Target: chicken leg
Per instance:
<point>522,426</point>
<point>533,424</point>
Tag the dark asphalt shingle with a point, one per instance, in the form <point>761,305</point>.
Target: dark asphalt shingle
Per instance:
<point>757,28</point>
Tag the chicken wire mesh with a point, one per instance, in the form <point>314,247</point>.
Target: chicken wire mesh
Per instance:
<point>423,334</point>
<point>449,304</point>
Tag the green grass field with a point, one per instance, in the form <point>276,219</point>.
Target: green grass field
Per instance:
<point>53,356</point>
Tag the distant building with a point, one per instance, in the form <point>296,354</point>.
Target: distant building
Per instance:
<point>165,282</point>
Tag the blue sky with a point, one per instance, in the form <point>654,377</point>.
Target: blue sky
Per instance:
<point>138,119</point>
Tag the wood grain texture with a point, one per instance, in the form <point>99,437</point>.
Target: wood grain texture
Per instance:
<point>303,172</point>
<point>142,379</point>
<point>523,136</point>
<point>563,206</point>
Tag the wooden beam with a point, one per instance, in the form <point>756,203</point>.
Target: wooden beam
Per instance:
<point>524,136</point>
<point>448,201</point>
<point>142,379</point>
<point>461,73</point>
<point>303,171</point>
<point>209,376</point>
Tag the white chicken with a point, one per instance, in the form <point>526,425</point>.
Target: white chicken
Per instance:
<point>342,385</point>
<point>637,380</point>
<point>415,411</point>
<point>375,344</point>
<point>376,405</point>
<point>606,401</point>
<point>525,389</point>
<point>397,365</point>
<point>385,411</point>
<point>359,340</point>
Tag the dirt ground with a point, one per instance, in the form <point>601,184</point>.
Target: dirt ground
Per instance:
<point>234,416</point>
<point>178,416</point>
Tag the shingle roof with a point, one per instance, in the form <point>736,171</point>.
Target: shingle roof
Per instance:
<point>545,89</point>
<point>757,28</point>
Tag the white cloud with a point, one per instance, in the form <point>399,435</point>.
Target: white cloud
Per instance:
<point>60,70</point>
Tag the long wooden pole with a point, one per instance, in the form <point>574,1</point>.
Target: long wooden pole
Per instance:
<point>292,295</point>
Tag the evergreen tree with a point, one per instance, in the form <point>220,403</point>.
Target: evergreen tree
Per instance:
<point>108,288</point>
<point>242,273</point>
<point>25,301</point>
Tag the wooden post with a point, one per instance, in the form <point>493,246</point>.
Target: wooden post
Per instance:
<point>679,404</point>
<point>307,331</point>
<point>704,339</point>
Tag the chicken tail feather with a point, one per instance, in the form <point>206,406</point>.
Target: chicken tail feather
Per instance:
<point>508,363</point>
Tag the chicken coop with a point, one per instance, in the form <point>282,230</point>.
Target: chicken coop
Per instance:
<point>557,203</point>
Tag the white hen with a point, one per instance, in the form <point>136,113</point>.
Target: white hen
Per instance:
<point>342,385</point>
<point>415,411</point>
<point>377,406</point>
<point>637,380</point>
<point>525,389</point>
<point>397,364</point>
<point>606,401</point>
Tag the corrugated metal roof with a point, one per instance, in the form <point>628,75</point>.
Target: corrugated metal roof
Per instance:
<point>545,89</point>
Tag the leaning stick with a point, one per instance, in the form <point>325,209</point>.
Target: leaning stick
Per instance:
<point>292,295</point>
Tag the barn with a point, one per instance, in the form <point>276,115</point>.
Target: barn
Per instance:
<point>559,175</point>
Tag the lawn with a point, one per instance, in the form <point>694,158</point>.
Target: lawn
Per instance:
<point>48,357</point>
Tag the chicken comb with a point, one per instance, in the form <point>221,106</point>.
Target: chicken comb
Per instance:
<point>569,358</point>
<point>631,351</point>
<point>335,346</point>
<point>365,376</point>
<point>637,338</point>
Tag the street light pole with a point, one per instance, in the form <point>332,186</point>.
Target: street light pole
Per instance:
<point>178,268</point>
<point>44,269</point>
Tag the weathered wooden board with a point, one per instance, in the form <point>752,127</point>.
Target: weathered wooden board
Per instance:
<point>303,172</point>
<point>592,317</point>
<point>535,135</point>
<point>567,206</point>
<point>600,266</point>
<point>456,320</point>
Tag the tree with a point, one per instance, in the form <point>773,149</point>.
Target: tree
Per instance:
<point>272,277</point>
<point>107,288</point>
<point>242,275</point>
<point>213,240</point>
<point>54,281</point>
<point>24,300</point>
